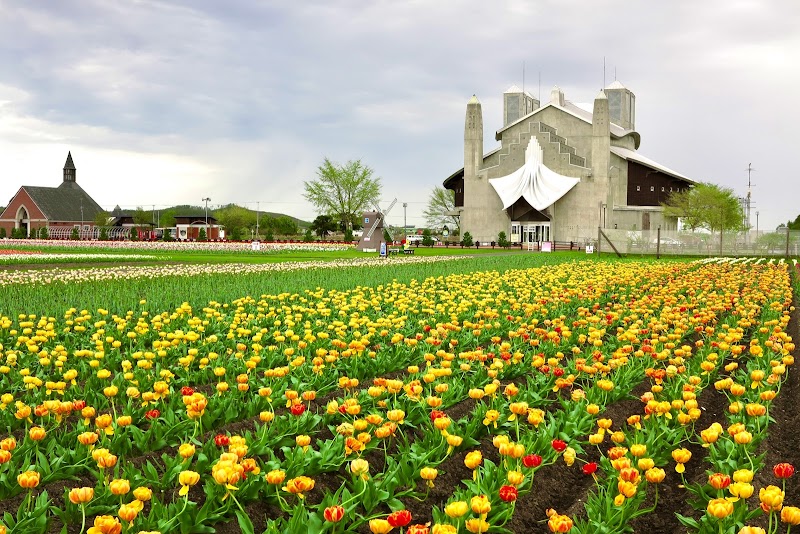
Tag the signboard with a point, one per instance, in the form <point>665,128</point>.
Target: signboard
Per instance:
<point>255,245</point>
<point>383,249</point>
<point>445,232</point>
<point>590,249</point>
<point>547,246</point>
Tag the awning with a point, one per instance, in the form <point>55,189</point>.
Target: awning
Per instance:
<point>538,185</point>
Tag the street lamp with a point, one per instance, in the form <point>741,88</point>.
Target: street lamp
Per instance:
<point>405,223</point>
<point>206,200</point>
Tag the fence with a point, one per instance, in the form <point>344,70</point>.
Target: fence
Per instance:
<point>65,232</point>
<point>674,243</point>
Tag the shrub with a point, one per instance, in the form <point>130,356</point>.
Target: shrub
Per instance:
<point>427,240</point>
<point>348,235</point>
<point>43,233</point>
<point>103,233</point>
<point>3,234</point>
<point>466,240</point>
<point>308,237</point>
<point>201,235</point>
<point>502,240</point>
<point>74,235</point>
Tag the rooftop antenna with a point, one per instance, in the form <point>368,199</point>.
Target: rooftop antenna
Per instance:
<point>540,87</point>
<point>604,71</point>
<point>523,80</point>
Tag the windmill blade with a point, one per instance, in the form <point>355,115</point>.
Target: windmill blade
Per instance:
<point>372,228</point>
<point>385,213</point>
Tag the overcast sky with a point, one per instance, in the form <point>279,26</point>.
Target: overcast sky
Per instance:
<point>168,102</point>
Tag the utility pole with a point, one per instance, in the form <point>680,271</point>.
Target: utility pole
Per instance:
<point>405,223</point>
<point>258,209</point>
<point>206,200</point>
<point>747,201</point>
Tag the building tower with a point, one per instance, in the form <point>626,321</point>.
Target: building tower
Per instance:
<point>601,157</point>
<point>621,105</point>
<point>516,104</point>
<point>69,169</point>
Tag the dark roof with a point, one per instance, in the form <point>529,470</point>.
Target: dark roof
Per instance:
<point>63,203</point>
<point>69,164</point>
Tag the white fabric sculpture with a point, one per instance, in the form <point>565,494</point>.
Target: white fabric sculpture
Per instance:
<point>534,182</point>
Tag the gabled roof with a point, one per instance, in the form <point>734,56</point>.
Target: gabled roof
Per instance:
<point>576,110</point>
<point>630,155</point>
<point>63,203</point>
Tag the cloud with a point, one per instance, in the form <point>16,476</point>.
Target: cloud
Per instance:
<point>241,100</point>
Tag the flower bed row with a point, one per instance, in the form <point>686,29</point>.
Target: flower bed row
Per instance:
<point>528,360</point>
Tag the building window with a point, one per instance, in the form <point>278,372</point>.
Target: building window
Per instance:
<point>638,188</point>
<point>652,188</point>
<point>663,188</point>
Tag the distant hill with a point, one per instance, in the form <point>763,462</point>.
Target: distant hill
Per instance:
<point>199,211</point>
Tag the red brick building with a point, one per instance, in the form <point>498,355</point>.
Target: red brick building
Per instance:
<point>65,206</point>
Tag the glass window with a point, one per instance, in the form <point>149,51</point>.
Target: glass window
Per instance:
<point>652,188</point>
<point>638,188</point>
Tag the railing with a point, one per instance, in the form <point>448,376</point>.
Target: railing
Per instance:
<point>66,232</point>
<point>702,243</point>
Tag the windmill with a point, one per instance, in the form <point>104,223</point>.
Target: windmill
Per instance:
<point>372,237</point>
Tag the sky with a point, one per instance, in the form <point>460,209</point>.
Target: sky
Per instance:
<point>170,102</point>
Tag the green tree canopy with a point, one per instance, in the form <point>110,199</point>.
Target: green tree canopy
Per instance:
<point>167,218</point>
<point>284,225</point>
<point>441,202</point>
<point>141,217</point>
<point>101,218</point>
<point>706,206</point>
<point>323,225</point>
<point>343,191</point>
<point>236,220</point>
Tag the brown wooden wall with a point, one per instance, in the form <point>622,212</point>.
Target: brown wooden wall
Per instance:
<point>647,187</point>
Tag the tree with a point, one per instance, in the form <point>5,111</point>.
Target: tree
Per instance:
<point>795,225</point>
<point>427,240</point>
<point>284,225</point>
<point>101,218</point>
<point>236,220</point>
<point>43,233</point>
<point>441,202</point>
<point>502,240</point>
<point>167,219</point>
<point>103,233</point>
<point>466,240</point>
<point>343,191</point>
<point>74,234</point>
<point>323,225</point>
<point>141,218</point>
<point>3,233</point>
<point>307,237</point>
<point>706,206</point>
<point>201,235</point>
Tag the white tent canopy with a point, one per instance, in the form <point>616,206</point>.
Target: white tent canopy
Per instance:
<point>534,182</point>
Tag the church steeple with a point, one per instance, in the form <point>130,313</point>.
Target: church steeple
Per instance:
<point>69,169</point>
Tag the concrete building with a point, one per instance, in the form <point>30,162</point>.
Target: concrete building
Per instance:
<point>562,171</point>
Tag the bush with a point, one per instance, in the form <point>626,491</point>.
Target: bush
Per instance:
<point>427,240</point>
<point>74,235</point>
<point>466,240</point>
<point>103,233</point>
<point>3,234</point>
<point>201,235</point>
<point>134,234</point>
<point>348,235</point>
<point>502,240</point>
<point>269,236</point>
<point>308,237</point>
<point>386,236</point>
<point>43,233</point>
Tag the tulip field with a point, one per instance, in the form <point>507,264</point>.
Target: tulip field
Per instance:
<point>499,394</point>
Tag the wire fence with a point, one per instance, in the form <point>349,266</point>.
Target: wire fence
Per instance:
<point>675,243</point>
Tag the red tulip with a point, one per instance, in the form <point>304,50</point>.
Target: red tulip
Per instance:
<point>783,470</point>
<point>559,445</point>
<point>152,414</point>
<point>400,518</point>
<point>187,391</point>
<point>298,409</point>
<point>532,460</point>
<point>590,468</point>
<point>508,493</point>
<point>222,440</point>
<point>436,414</point>
<point>79,404</point>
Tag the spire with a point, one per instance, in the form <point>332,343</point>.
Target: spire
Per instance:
<point>69,169</point>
